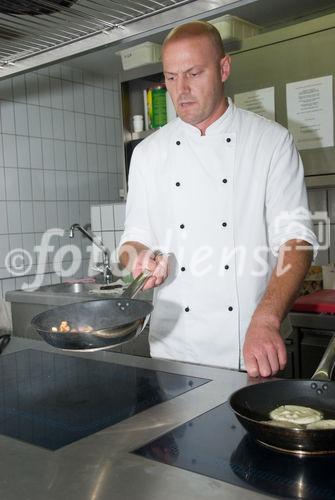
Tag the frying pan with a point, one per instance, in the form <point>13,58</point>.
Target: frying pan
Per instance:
<point>252,405</point>
<point>114,321</point>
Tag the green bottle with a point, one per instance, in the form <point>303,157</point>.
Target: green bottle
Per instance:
<point>159,114</point>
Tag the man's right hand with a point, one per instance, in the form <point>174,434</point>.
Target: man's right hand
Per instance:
<point>157,264</point>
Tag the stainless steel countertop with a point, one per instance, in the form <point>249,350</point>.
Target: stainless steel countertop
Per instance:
<point>46,296</point>
<point>100,467</point>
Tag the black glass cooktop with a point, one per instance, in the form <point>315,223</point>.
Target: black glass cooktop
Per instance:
<point>51,400</point>
<point>216,445</point>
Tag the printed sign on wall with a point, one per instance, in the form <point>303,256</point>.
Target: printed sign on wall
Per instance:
<point>261,101</point>
<point>310,112</point>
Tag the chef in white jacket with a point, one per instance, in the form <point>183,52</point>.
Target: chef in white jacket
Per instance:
<point>221,191</point>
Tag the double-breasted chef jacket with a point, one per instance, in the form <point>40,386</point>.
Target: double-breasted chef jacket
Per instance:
<point>221,205</point>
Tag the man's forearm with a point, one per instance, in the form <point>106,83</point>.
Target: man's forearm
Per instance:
<point>263,349</point>
<point>287,277</point>
<point>128,253</point>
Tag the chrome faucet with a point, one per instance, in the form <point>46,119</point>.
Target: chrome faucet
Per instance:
<point>104,268</point>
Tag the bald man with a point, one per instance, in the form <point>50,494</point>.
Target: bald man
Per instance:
<point>221,192</point>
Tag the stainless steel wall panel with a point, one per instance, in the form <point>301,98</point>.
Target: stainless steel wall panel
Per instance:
<point>276,64</point>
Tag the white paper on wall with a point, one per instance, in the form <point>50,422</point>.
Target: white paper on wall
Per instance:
<point>310,112</point>
<point>261,101</point>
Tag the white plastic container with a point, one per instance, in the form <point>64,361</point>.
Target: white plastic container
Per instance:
<point>140,55</point>
<point>234,28</point>
<point>138,123</point>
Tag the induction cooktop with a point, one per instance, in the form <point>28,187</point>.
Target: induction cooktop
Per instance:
<point>216,445</point>
<point>51,400</point>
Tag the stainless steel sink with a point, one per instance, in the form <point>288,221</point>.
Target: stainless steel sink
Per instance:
<point>77,288</point>
<point>70,287</point>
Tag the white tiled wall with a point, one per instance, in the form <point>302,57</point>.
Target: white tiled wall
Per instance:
<point>108,222</point>
<point>60,153</point>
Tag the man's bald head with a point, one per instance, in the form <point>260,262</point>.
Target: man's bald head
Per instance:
<point>196,29</point>
<point>195,69</point>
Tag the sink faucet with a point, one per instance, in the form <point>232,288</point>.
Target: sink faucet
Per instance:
<point>104,268</point>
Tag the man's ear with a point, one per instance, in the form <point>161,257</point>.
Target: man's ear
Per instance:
<point>225,66</point>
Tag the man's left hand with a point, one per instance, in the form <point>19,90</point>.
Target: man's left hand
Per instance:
<point>264,350</point>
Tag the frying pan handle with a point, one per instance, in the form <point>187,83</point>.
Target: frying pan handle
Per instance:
<point>136,285</point>
<point>325,369</point>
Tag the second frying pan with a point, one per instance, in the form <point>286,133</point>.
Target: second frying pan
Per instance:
<point>252,405</point>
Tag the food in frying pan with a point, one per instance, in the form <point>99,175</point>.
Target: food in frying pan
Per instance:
<point>277,423</point>
<point>296,414</point>
<point>64,327</point>
<point>85,329</point>
<point>322,424</point>
<point>298,417</point>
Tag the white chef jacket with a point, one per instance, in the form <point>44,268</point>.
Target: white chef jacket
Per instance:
<point>221,204</point>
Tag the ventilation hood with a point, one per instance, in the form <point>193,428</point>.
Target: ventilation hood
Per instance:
<point>37,33</point>
<point>34,33</point>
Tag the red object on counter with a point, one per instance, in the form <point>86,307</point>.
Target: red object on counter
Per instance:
<point>322,301</point>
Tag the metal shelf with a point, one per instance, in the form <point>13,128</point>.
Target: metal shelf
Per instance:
<point>142,135</point>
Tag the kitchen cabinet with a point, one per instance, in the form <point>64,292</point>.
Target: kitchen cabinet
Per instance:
<point>132,84</point>
<point>311,335</point>
<point>304,352</point>
<point>132,98</point>
<point>291,369</point>
<point>312,347</point>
